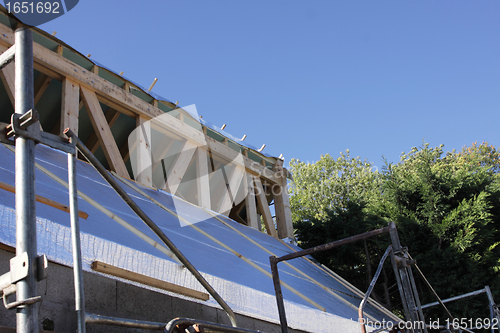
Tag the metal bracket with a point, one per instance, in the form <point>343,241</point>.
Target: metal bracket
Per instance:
<point>13,305</point>
<point>42,267</point>
<point>19,267</point>
<point>20,125</point>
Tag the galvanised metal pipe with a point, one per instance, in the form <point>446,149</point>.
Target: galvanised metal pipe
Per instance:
<point>131,203</point>
<point>75,241</point>
<point>171,326</point>
<point>273,261</point>
<point>8,56</point>
<point>331,245</point>
<point>417,299</point>
<point>432,289</point>
<point>472,293</point>
<point>491,303</point>
<point>27,315</point>
<point>5,281</point>
<point>91,318</point>
<point>370,288</point>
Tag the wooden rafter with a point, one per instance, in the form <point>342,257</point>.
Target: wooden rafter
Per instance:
<point>231,191</point>
<point>161,150</point>
<point>263,207</point>
<point>8,75</point>
<point>69,105</point>
<point>56,66</point>
<point>92,142</point>
<point>42,82</point>
<point>143,163</point>
<point>103,132</point>
<point>179,168</point>
<point>250,204</point>
<point>202,178</point>
<point>282,204</point>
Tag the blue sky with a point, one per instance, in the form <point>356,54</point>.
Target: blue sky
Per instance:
<point>310,77</point>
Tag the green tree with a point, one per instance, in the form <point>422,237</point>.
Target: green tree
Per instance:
<point>330,184</point>
<point>328,200</point>
<point>446,206</point>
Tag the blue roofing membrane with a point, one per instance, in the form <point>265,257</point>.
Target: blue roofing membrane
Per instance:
<point>247,290</point>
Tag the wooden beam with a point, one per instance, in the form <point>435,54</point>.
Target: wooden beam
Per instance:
<point>7,248</point>
<point>180,167</point>
<point>161,150</point>
<point>44,200</point>
<point>122,100</point>
<point>125,152</point>
<point>8,76</point>
<point>149,281</point>
<point>143,152</point>
<point>202,180</point>
<point>69,106</point>
<point>92,142</point>
<point>250,204</point>
<point>42,82</point>
<point>282,204</point>
<point>118,98</point>
<point>103,132</point>
<point>230,194</point>
<point>264,207</point>
<point>173,126</point>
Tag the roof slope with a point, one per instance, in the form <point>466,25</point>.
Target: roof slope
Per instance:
<point>233,258</point>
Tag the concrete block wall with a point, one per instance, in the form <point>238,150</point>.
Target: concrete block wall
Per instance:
<point>109,297</point>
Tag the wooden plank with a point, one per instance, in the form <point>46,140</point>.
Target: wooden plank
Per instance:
<point>7,248</point>
<point>8,76</point>
<point>42,82</point>
<point>282,204</point>
<point>202,180</point>
<point>230,194</point>
<point>111,116</point>
<point>149,281</point>
<point>264,207</point>
<point>125,152</point>
<point>161,150</point>
<point>143,152</point>
<point>174,125</point>
<point>44,200</point>
<point>103,132</point>
<point>250,204</point>
<point>70,105</point>
<point>179,168</point>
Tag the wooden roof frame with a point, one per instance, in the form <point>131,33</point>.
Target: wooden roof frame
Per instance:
<point>81,83</point>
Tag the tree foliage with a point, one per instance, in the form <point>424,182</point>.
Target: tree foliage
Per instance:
<point>329,184</point>
<point>446,207</point>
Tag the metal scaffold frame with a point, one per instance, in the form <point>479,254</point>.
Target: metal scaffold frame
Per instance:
<point>400,262</point>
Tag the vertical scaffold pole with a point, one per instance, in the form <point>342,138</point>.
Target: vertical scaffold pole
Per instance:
<point>75,240</point>
<point>27,315</point>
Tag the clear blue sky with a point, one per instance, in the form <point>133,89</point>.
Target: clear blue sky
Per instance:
<point>310,77</point>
